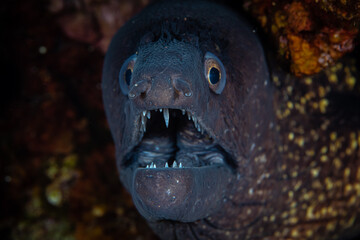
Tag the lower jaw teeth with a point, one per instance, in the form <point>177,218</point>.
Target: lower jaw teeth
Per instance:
<point>175,165</point>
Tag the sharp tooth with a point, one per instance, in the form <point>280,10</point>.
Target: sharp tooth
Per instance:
<point>148,115</point>
<point>180,165</point>
<point>152,165</point>
<point>174,164</point>
<point>160,109</point>
<point>194,120</point>
<point>147,166</point>
<point>144,113</point>
<point>183,111</point>
<point>198,128</point>
<point>143,123</point>
<point>166,165</point>
<point>189,115</point>
<point>166,116</point>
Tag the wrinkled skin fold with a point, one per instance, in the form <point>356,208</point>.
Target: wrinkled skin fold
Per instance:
<point>208,163</point>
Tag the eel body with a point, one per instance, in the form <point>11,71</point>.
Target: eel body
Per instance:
<point>211,144</point>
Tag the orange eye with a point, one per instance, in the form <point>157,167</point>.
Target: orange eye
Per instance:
<point>214,73</point>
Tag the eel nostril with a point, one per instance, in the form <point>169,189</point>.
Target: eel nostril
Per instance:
<point>182,86</point>
<point>139,89</point>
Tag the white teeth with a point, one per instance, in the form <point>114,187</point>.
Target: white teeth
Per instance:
<point>194,120</point>
<point>166,116</point>
<point>196,123</point>
<point>152,165</point>
<point>143,122</point>
<point>189,115</point>
<point>145,115</point>
<point>175,165</point>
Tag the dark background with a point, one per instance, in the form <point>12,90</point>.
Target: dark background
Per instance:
<point>58,175</point>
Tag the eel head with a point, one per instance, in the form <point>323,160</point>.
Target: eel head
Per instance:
<point>185,111</point>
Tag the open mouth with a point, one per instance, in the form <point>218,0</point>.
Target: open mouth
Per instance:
<point>174,138</point>
<point>177,171</point>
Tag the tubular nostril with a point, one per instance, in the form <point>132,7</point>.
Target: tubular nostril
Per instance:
<point>182,86</point>
<point>139,88</point>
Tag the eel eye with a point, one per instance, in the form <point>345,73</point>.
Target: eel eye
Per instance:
<point>214,73</point>
<point>126,74</point>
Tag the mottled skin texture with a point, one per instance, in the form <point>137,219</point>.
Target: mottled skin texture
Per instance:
<point>293,170</point>
<point>318,118</point>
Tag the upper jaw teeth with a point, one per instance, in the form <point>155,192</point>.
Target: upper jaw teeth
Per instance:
<point>166,116</point>
<point>147,115</point>
<point>143,121</point>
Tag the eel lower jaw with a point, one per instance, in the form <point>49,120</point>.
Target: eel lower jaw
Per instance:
<point>177,171</point>
<point>179,194</point>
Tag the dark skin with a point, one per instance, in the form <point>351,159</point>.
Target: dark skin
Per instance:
<point>263,157</point>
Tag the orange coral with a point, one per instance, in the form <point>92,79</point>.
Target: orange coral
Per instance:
<point>304,56</point>
<point>311,34</point>
<point>298,17</point>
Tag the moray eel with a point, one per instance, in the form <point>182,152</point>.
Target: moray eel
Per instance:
<point>211,144</point>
